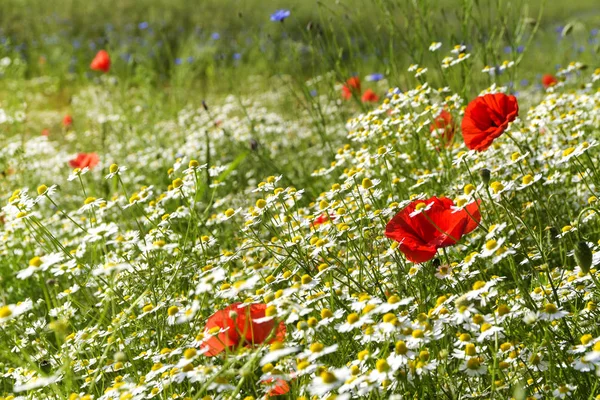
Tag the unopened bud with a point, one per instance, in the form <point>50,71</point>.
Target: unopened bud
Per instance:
<point>485,175</point>
<point>552,235</point>
<point>583,256</point>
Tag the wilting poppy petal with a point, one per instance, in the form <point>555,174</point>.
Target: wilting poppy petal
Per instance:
<point>486,118</point>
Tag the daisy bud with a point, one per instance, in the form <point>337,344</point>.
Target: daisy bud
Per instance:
<point>42,189</point>
<point>485,175</point>
<point>583,256</point>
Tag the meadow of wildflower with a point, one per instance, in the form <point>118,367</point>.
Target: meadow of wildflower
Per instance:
<point>378,199</point>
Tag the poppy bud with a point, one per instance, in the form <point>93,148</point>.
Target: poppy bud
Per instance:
<point>552,234</point>
<point>485,175</point>
<point>583,256</point>
<point>253,144</point>
<point>204,105</point>
<point>45,366</point>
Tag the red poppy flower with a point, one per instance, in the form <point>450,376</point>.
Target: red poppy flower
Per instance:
<point>238,326</point>
<point>369,96</point>
<point>549,80</point>
<point>486,118</point>
<point>444,123</point>
<point>101,62</point>
<point>438,225</point>
<point>67,121</point>
<point>351,86</point>
<point>46,132</point>
<point>83,160</point>
<point>321,219</point>
<point>280,387</point>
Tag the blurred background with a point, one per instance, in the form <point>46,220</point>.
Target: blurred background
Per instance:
<point>217,45</point>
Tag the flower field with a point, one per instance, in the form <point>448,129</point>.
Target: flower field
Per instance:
<point>430,231</point>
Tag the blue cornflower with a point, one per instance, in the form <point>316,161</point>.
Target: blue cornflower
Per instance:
<point>215,36</point>
<point>178,61</point>
<point>237,56</point>
<point>594,32</point>
<point>374,77</point>
<point>143,25</point>
<point>280,15</point>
